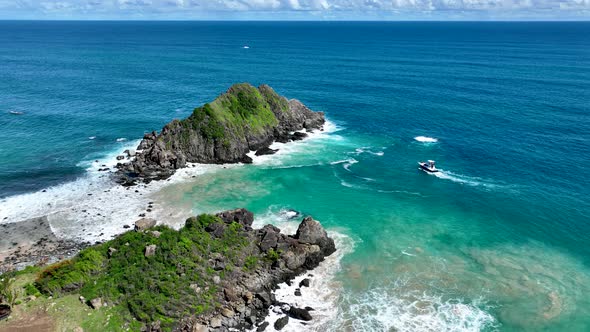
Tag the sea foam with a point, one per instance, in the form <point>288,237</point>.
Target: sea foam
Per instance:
<point>426,139</point>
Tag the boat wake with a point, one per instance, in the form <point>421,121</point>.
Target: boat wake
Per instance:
<point>466,180</point>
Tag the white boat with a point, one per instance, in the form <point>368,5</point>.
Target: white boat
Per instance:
<point>428,166</point>
<point>16,112</point>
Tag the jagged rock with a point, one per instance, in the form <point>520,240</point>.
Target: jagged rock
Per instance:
<point>144,223</point>
<point>281,323</point>
<point>241,216</point>
<point>297,136</point>
<point>96,303</point>
<point>150,250</point>
<point>269,240</point>
<point>230,295</point>
<point>310,231</point>
<point>266,151</point>
<point>300,314</point>
<point>120,157</point>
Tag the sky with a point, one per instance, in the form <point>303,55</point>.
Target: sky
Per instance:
<point>296,9</point>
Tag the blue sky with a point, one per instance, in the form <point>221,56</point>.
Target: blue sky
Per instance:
<point>297,9</point>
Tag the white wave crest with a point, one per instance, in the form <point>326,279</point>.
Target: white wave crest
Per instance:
<point>426,139</point>
<point>394,309</point>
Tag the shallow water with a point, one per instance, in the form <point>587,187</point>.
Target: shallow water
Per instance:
<point>497,241</point>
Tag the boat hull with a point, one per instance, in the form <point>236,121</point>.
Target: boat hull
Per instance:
<point>427,169</point>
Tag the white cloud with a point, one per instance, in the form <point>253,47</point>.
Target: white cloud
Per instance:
<point>314,8</point>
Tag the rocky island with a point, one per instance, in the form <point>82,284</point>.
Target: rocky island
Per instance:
<point>241,120</point>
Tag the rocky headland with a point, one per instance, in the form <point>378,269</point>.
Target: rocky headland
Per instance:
<point>241,120</point>
<point>216,273</point>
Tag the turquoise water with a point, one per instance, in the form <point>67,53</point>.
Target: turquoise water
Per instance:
<point>497,241</point>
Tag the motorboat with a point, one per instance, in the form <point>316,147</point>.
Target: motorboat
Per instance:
<point>428,166</point>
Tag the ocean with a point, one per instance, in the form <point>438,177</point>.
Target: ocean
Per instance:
<point>499,240</point>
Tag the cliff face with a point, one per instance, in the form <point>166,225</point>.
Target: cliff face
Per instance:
<point>241,120</point>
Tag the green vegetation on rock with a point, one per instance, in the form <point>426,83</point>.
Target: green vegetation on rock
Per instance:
<point>241,110</point>
<point>173,282</point>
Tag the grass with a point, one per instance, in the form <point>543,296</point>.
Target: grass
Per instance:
<point>243,110</point>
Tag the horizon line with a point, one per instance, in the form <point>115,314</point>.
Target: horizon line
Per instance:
<point>294,20</point>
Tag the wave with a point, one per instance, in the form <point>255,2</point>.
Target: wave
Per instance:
<point>286,151</point>
<point>396,309</point>
<point>426,139</point>
<point>368,150</point>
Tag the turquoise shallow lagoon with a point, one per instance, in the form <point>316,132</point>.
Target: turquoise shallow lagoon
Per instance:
<point>499,240</point>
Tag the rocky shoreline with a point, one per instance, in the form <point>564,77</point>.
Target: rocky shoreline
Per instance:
<point>241,120</point>
<point>247,297</point>
<point>32,242</point>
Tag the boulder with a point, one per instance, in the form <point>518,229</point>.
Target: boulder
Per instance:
<point>96,303</point>
<point>266,151</point>
<point>304,283</point>
<point>262,326</point>
<point>144,223</point>
<point>300,314</point>
<point>215,322</point>
<point>150,250</point>
<point>111,252</point>
<point>281,323</point>
<point>311,232</point>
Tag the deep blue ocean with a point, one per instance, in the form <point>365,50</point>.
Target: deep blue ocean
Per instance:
<point>499,240</point>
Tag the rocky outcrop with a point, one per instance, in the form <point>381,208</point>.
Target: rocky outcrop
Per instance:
<point>247,296</point>
<point>241,120</point>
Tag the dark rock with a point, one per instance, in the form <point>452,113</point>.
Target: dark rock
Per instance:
<point>281,323</point>
<point>241,216</point>
<point>297,136</point>
<point>310,231</point>
<point>304,283</point>
<point>262,327</point>
<point>266,151</point>
<point>297,292</point>
<point>300,314</point>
